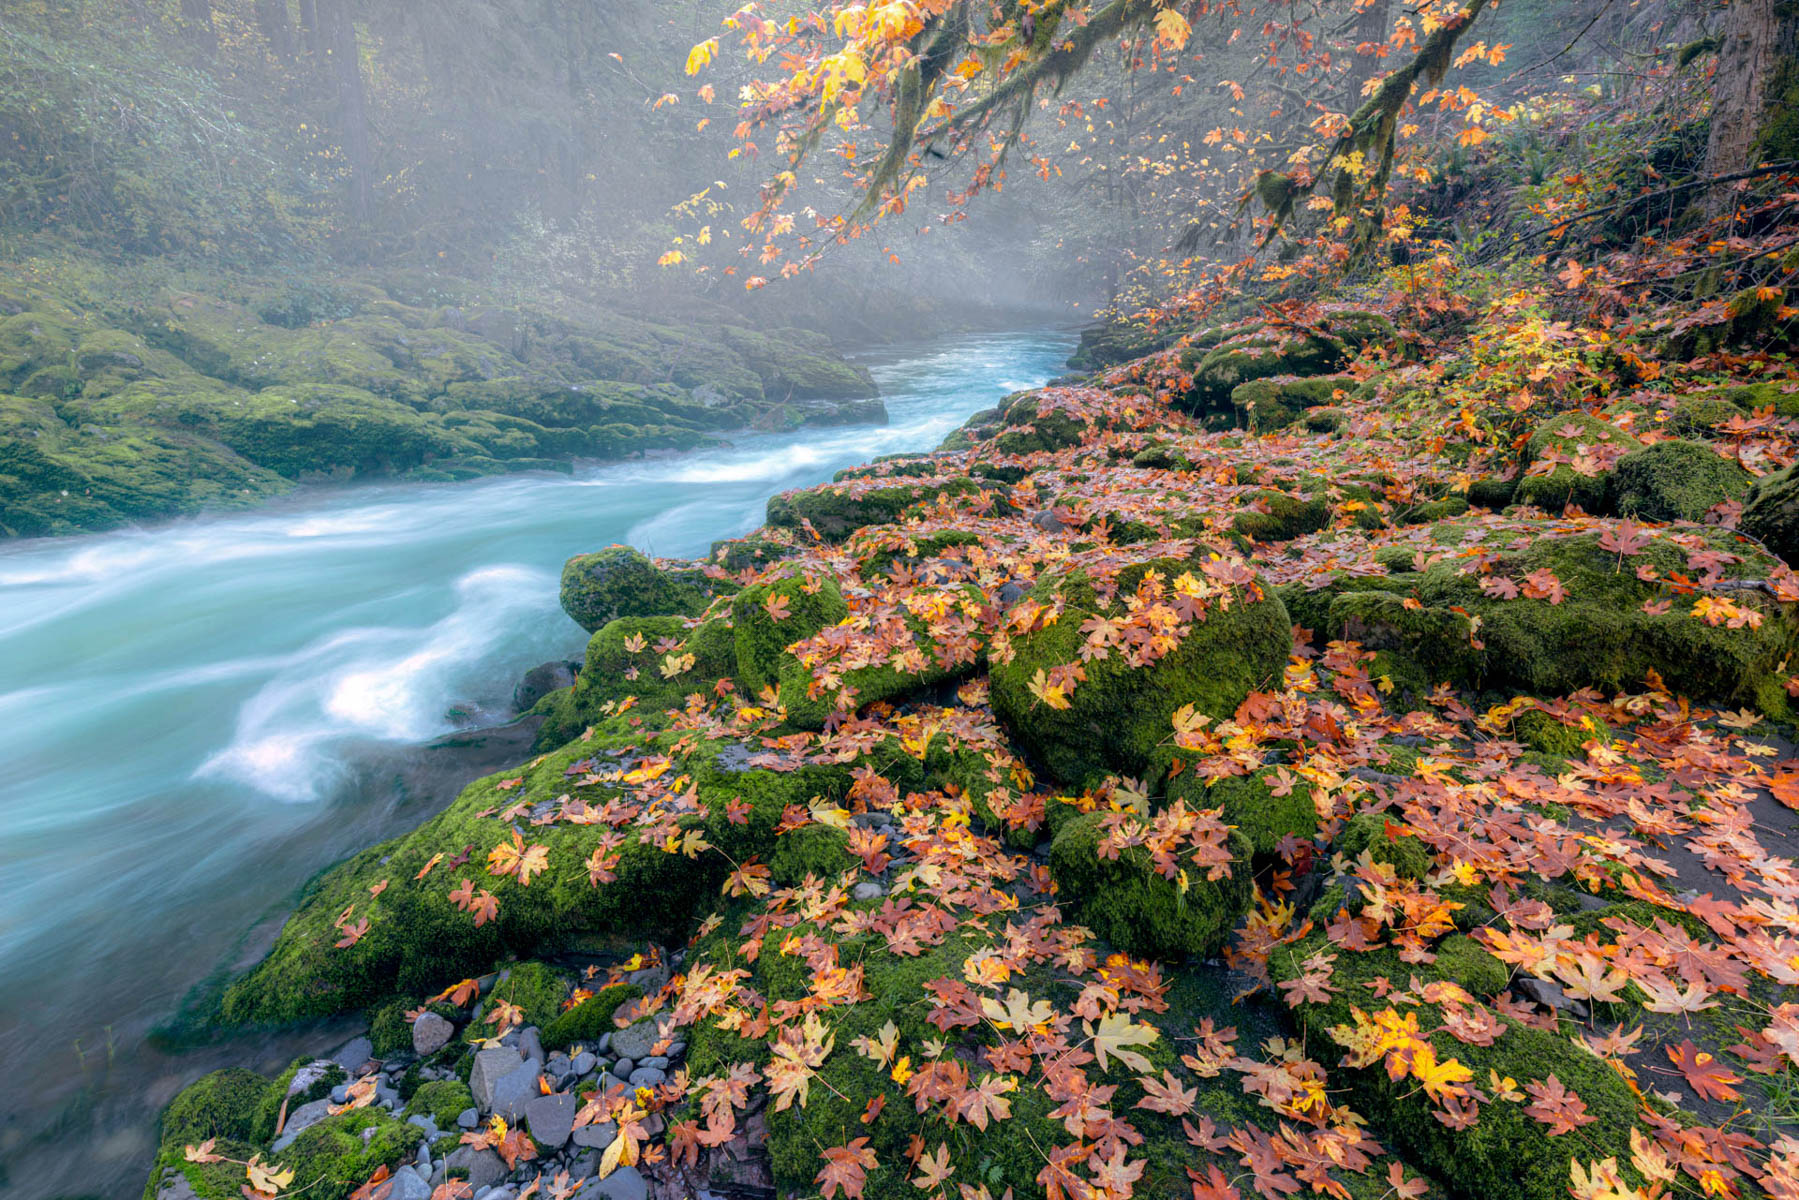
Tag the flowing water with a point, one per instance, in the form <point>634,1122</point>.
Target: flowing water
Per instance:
<point>196,718</point>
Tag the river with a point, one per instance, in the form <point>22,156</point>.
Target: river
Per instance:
<point>196,718</point>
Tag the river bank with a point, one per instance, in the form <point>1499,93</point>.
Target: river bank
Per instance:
<point>259,677</point>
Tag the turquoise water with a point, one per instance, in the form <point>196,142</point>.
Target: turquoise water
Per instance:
<point>195,718</point>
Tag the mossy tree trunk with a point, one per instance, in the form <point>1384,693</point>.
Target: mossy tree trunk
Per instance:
<point>343,67</point>
<point>1753,89</point>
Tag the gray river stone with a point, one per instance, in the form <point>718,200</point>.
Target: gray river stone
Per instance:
<point>490,1067</point>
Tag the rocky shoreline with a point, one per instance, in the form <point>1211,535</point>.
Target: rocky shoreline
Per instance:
<point>1196,766</point>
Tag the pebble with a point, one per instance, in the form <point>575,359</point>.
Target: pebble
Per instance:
<point>583,1063</point>
<point>604,1045</point>
<point>490,1067</point>
<point>309,1075</point>
<point>655,1060</point>
<point>354,1053</point>
<point>530,1044</point>
<point>648,1077</point>
<point>597,1136</point>
<point>431,1033</point>
<point>551,1119</point>
<point>624,1066</point>
<point>677,1049</point>
<point>408,1186</point>
<point>484,1167</point>
<point>510,1093</point>
<point>468,1118</point>
<point>300,1120</point>
<point>623,1184</point>
<point>868,889</point>
<point>425,1123</point>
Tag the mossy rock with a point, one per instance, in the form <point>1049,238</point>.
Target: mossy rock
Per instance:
<point>1771,513</point>
<point>1675,481</point>
<point>618,581</point>
<point>335,1157</point>
<point>1125,900</point>
<point>817,850</point>
<point>632,657</point>
<point>1548,735</point>
<point>1028,429</point>
<point>768,617</point>
<point>1567,433</point>
<point>1248,803</point>
<point>443,1100</point>
<point>1698,414</point>
<point>1506,1152</point>
<point>1387,842</point>
<point>1598,636</point>
<point>1119,715</point>
<point>587,1021</point>
<point>1492,493</point>
<point>226,1105</point>
<point>1265,405</point>
<point>1287,516</point>
<point>1258,353</point>
<point>836,510</point>
<point>533,987</point>
<point>419,939</point>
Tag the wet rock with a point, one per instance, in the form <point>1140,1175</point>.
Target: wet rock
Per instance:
<point>490,1067</point>
<point>484,1167</point>
<point>512,1092</point>
<point>408,1186</point>
<point>634,1042</point>
<point>300,1120</point>
<point>431,1033</point>
<point>354,1053</point>
<point>468,1118</point>
<point>1548,994</point>
<point>597,1136</point>
<point>583,1063</point>
<point>648,1077</point>
<point>551,1119</point>
<point>623,1184</point>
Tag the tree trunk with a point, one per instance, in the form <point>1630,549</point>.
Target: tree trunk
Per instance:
<point>1370,29</point>
<point>343,64</point>
<point>1752,90</point>
<point>309,27</point>
<point>271,18</point>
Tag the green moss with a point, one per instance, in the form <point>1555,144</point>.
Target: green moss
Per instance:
<point>225,1104</point>
<point>618,581</point>
<point>1434,643</point>
<point>1698,414</point>
<point>1129,903</point>
<point>336,1156</point>
<point>1675,481</point>
<point>270,1111</point>
<point>1548,735</point>
<point>1286,517</point>
<point>1119,715</point>
<point>817,849</point>
<point>208,1181</point>
<point>1388,842</point>
<point>1249,803</point>
<point>1495,494</point>
<point>806,606</point>
<point>1567,433</point>
<point>1771,513</point>
<point>1470,964</point>
<point>535,988</point>
<point>583,1024</point>
<point>443,1100</point>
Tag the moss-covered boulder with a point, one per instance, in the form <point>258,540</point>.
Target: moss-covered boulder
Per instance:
<point>769,617</point>
<point>587,1021</point>
<point>1271,515</point>
<point>227,1105</point>
<point>447,900</point>
<point>1547,609</point>
<point>619,582</point>
<point>659,661</point>
<point>443,1100</point>
<point>1258,805</point>
<point>1568,460</point>
<point>1771,513</point>
<point>1116,717</point>
<point>339,1154</point>
<point>836,510</point>
<point>1507,1151</point>
<point>1675,480</point>
<point>1265,405</point>
<point>1263,351</point>
<point>1123,898</point>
